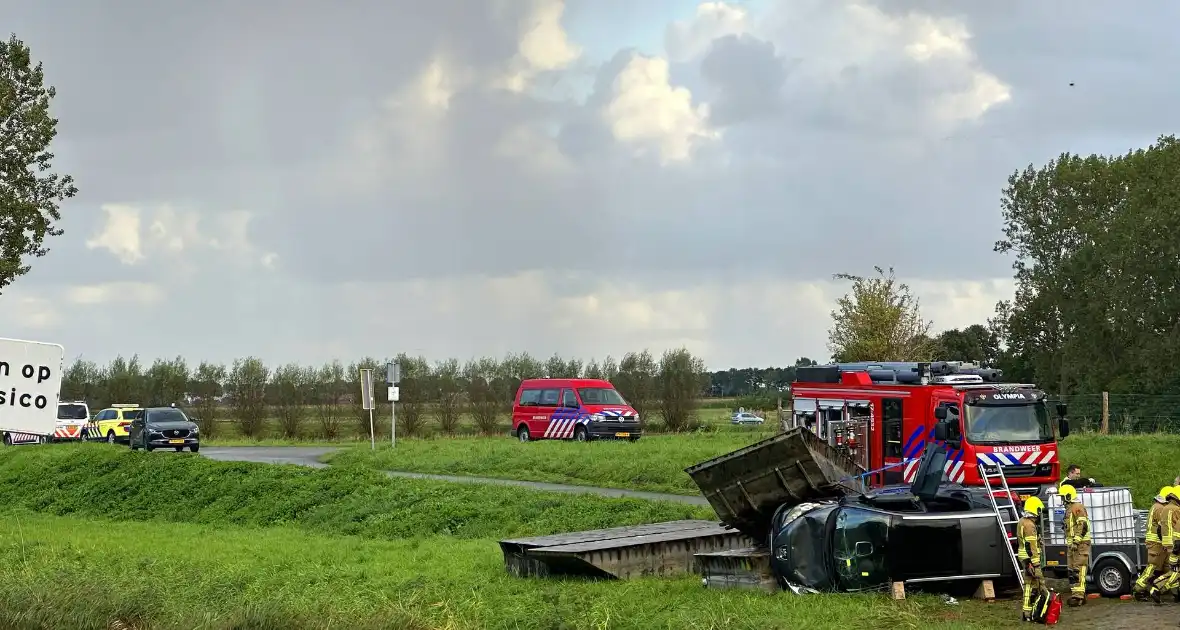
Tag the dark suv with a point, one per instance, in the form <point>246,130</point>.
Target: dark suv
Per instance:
<point>163,427</point>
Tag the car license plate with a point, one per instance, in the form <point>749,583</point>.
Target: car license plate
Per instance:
<point>622,435</point>
<point>176,441</point>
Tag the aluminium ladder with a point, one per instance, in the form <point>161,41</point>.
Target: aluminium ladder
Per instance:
<point>1004,503</point>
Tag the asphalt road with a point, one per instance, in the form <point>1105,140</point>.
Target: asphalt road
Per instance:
<point>309,456</point>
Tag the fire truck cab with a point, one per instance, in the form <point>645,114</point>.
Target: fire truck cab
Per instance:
<point>885,413</point>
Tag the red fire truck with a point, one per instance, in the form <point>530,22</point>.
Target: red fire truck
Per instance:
<point>884,414</point>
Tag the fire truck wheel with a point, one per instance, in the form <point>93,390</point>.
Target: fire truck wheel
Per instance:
<point>580,434</point>
<point>522,433</point>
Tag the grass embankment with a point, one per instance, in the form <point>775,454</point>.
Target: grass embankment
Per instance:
<point>654,463</point>
<point>657,462</point>
<point>113,483</point>
<point>264,548</point>
<point>1143,463</point>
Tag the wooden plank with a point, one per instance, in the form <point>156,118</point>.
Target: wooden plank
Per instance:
<point>986,591</point>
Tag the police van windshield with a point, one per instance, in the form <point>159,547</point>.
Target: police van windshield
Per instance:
<point>71,412</point>
<point>1004,424</point>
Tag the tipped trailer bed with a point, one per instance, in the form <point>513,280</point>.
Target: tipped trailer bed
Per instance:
<point>744,487</point>
<point>663,549</point>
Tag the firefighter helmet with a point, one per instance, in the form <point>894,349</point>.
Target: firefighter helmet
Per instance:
<point>1033,505</point>
<point>1162,497</point>
<point>1068,493</point>
<point>1174,493</point>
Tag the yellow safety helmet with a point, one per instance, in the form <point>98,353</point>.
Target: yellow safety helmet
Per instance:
<point>1162,497</point>
<point>1033,505</point>
<point>1173,493</point>
<point>1068,493</point>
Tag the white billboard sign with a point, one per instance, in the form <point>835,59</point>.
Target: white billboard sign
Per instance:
<point>30,380</point>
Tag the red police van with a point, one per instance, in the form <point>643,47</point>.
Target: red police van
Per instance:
<point>581,409</point>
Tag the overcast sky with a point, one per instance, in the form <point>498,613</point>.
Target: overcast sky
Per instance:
<point>304,180</point>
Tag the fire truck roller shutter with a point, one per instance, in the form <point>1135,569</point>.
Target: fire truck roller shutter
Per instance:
<point>803,411</point>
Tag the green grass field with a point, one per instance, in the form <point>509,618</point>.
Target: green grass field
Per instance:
<point>657,462</point>
<point>56,573</point>
<point>92,533</point>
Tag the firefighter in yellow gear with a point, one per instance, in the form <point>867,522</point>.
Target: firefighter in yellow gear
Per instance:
<point>1028,552</point>
<point>1157,555</point>
<point>1170,538</point>
<point>1077,540</point>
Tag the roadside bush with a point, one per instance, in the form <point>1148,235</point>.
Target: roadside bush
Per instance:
<point>207,386</point>
<point>680,388</point>
<point>246,388</point>
<point>449,388</point>
<point>328,393</point>
<point>288,393</point>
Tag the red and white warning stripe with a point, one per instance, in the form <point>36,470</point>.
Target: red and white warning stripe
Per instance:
<point>561,428</point>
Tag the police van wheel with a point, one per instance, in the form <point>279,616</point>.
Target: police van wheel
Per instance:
<point>7,440</point>
<point>110,437</point>
<point>580,434</point>
<point>1112,578</point>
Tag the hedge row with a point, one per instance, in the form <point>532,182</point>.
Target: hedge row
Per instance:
<point>251,393</point>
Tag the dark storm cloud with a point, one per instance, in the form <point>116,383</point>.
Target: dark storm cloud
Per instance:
<point>239,106</point>
<point>749,77</point>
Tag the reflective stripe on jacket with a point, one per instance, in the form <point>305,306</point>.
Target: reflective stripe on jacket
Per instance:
<point>1028,547</point>
<point>1155,521</point>
<point>1077,524</point>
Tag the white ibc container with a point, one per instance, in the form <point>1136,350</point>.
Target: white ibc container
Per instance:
<point>1113,517</point>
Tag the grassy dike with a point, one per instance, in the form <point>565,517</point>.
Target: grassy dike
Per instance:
<point>90,534</point>
<point>657,462</point>
<point>654,463</point>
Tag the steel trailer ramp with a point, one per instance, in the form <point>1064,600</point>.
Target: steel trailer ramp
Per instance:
<point>657,549</point>
<point>746,486</point>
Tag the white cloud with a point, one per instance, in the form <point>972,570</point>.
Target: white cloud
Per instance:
<point>120,233</point>
<point>688,39</point>
<point>544,46</point>
<point>645,109</point>
<point>25,315</point>
<point>122,293</point>
<point>176,233</point>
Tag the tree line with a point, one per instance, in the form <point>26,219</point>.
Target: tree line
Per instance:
<point>250,393</point>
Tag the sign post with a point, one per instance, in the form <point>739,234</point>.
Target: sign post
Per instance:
<point>367,401</point>
<point>30,381</point>
<point>393,376</point>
